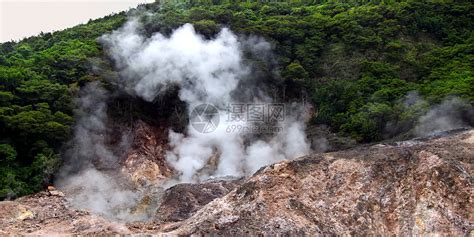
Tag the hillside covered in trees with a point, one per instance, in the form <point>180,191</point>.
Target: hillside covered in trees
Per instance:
<point>356,61</point>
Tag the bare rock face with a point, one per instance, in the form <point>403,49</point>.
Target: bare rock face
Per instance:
<point>183,200</point>
<point>145,162</point>
<point>416,187</point>
<point>47,214</point>
<point>407,188</point>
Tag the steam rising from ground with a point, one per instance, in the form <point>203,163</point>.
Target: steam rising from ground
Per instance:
<point>207,72</point>
<point>88,174</point>
<point>442,117</point>
<point>451,113</point>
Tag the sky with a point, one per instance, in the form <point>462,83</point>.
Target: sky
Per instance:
<point>23,18</point>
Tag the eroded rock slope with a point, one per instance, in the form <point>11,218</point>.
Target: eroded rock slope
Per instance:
<point>414,187</point>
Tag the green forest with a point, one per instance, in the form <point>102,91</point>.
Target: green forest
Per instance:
<point>355,60</point>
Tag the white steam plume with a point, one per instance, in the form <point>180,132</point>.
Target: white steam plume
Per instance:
<point>443,117</point>
<point>207,72</point>
<point>426,120</point>
<point>89,176</point>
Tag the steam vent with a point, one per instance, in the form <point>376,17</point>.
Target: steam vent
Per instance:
<point>241,118</point>
<point>415,186</point>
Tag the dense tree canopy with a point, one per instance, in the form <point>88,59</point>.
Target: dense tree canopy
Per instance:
<point>356,60</point>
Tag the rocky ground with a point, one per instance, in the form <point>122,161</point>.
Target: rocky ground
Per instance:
<point>415,187</point>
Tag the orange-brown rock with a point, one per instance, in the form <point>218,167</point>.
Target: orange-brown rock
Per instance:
<point>410,188</point>
<point>44,214</point>
<point>406,188</point>
<point>145,162</point>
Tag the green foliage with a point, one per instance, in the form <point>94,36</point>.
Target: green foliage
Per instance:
<point>294,71</point>
<point>38,77</point>
<point>16,179</point>
<point>207,27</point>
<point>7,152</point>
